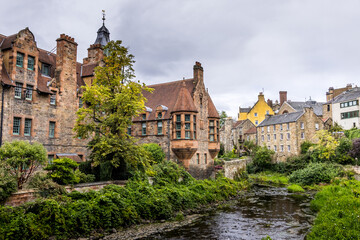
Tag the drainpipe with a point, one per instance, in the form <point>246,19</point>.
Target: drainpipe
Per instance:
<point>169,138</point>
<point>2,113</point>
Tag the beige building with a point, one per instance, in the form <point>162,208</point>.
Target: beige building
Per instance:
<point>285,133</point>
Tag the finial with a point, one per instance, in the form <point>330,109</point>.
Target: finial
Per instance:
<point>103,18</point>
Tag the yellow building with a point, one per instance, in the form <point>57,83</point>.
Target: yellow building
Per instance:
<point>257,113</point>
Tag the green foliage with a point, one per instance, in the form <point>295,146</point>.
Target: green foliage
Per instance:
<point>84,178</point>
<point>85,167</point>
<point>316,173</point>
<point>156,153</point>
<point>229,155</point>
<point>62,171</point>
<point>46,186</point>
<point>291,164</point>
<point>293,188</point>
<point>21,159</point>
<point>113,98</point>
<point>7,184</point>
<point>338,207</point>
<point>355,150</point>
<point>78,214</point>
<point>305,146</point>
<point>336,128</point>
<point>250,147</point>
<point>222,150</point>
<point>342,152</point>
<point>270,177</point>
<point>241,175</point>
<point>218,162</point>
<point>353,133</point>
<point>223,116</point>
<point>261,160</point>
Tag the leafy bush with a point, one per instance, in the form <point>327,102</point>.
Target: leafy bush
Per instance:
<point>324,149</point>
<point>316,173</point>
<point>250,147</point>
<point>338,207</point>
<point>230,154</point>
<point>261,160</point>
<point>305,146</point>
<point>156,153</point>
<point>21,159</point>
<point>355,150</point>
<point>46,186</point>
<point>241,175</point>
<point>353,133</point>
<point>7,184</point>
<point>62,171</point>
<point>292,164</point>
<point>85,167</point>
<point>295,188</point>
<point>84,178</point>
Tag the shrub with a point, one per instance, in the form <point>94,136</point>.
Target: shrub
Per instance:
<point>292,164</point>
<point>62,171</point>
<point>324,149</point>
<point>85,167</point>
<point>295,188</point>
<point>241,175</point>
<point>21,159</point>
<point>156,153</point>
<point>305,146</point>
<point>353,133</point>
<point>261,160</point>
<point>46,186</point>
<point>7,184</point>
<point>316,173</point>
<point>84,178</point>
<point>355,149</point>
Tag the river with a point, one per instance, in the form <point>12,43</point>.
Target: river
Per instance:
<point>260,212</point>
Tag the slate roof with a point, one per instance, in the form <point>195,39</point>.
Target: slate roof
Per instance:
<point>351,94</point>
<point>251,131</point>
<point>245,110</point>
<point>5,78</point>
<point>299,106</point>
<point>7,41</point>
<point>282,118</point>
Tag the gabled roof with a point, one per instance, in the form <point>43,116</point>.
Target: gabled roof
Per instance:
<point>88,69</point>
<point>184,101</point>
<point>7,41</point>
<point>299,106</point>
<point>244,110</point>
<point>282,118</point>
<point>251,131</point>
<point>351,94</point>
<point>212,112</point>
<point>4,76</point>
<point>237,123</point>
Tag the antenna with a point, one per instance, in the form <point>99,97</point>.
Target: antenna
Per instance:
<point>103,18</point>
<point>52,50</point>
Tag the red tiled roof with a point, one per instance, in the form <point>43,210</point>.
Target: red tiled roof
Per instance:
<point>7,41</point>
<point>184,102</point>
<point>80,81</point>
<point>88,69</point>
<point>213,113</point>
<point>5,76</point>
<point>42,82</point>
<point>237,123</point>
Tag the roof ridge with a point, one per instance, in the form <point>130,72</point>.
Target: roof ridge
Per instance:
<point>157,84</point>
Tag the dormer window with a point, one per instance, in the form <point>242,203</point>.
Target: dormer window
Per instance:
<point>143,116</point>
<point>45,70</point>
<point>159,116</point>
<point>20,59</point>
<point>31,63</point>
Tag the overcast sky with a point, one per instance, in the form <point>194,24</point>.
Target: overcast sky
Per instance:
<point>302,47</point>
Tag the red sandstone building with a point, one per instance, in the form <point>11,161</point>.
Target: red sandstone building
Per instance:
<point>41,93</point>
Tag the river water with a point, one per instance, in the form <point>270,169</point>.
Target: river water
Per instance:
<point>260,212</point>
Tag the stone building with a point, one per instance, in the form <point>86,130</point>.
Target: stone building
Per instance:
<point>181,117</point>
<point>257,113</point>
<point>234,133</point>
<point>285,133</point>
<point>41,91</point>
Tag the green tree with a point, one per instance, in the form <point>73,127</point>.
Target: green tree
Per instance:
<point>21,159</point>
<point>324,149</point>
<point>113,99</point>
<point>223,116</point>
<point>62,171</point>
<point>156,153</point>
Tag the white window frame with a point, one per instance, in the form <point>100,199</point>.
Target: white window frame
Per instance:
<point>18,89</point>
<point>16,125</point>
<point>27,127</point>
<point>28,93</point>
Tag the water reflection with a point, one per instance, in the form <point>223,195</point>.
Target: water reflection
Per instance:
<point>260,212</point>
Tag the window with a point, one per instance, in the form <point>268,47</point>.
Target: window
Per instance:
<point>160,128</point>
<point>288,136</point>
<point>349,114</point>
<point>45,70</point>
<point>217,130</point>
<point>255,114</point>
<point>268,128</point>
<point>178,126</point>
<point>31,63</point>
<point>81,104</point>
<point>143,129</point>
<point>302,135</point>
<point>275,149</point>
<point>16,126</point>
<point>281,148</point>
<point>262,137</point>
<point>198,158</point>
<point>52,129</point>
<point>262,129</point>
<point>256,122</point>
<point>288,126</point>
<point>316,126</point>
<point>50,158</point>
<point>289,148</point>
<point>205,158</point>
<point>27,128</point>
<point>53,99</point>
<point>143,116</point>
<point>20,59</point>
<point>274,128</point>
<point>187,117</point>
<point>267,112</point>
<point>129,130</point>
<point>28,94</point>
<point>302,126</point>
<point>18,90</point>
<point>281,136</point>
<point>159,116</point>
<point>328,107</point>
<point>194,127</point>
<point>211,131</point>
<point>268,147</point>
<point>268,137</point>
<point>281,127</point>
<point>347,104</point>
<point>274,136</point>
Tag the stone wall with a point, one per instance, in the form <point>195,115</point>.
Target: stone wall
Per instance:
<point>231,167</point>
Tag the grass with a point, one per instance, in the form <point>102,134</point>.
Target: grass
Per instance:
<point>294,188</point>
<point>270,177</point>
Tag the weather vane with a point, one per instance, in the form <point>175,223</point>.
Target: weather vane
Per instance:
<point>103,18</point>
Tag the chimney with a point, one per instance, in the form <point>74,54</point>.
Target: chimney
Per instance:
<point>348,86</point>
<point>65,72</point>
<point>283,97</point>
<point>95,54</point>
<point>270,103</point>
<point>261,97</point>
<point>198,73</point>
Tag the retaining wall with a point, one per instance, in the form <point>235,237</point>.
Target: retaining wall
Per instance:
<point>231,167</point>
